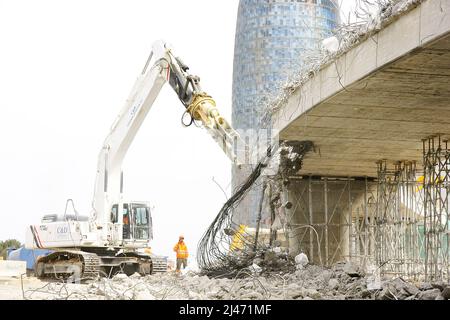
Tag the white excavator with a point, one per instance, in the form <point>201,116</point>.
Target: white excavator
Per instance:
<point>113,237</point>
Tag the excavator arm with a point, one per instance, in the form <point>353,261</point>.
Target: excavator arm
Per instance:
<point>200,106</point>
<point>161,67</point>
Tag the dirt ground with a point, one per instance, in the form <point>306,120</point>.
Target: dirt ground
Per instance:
<point>344,281</point>
<point>11,288</point>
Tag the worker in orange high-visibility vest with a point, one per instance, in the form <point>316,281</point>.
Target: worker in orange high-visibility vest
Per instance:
<point>182,253</point>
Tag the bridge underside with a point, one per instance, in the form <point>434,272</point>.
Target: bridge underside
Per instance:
<point>382,116</point>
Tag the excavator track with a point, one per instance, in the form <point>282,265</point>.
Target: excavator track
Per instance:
<point>82,265</point>
<point>91,265</point>
<point>159,264</point>
<point>65,262</point>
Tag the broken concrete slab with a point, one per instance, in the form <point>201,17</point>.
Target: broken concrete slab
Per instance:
<point>120,277</point>
<point>397,289</point>
<point>429,294</point>
<point>425,286</point>
<point>439,285</point>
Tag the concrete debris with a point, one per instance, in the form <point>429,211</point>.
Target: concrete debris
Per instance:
<point>440,297</point>
<point>374,282</point>
<point>373,277</point>
<point>446,293</point>
<point>255,268</point>
<point>352,269</point>
<point>432,294</point>
<point>397,289</point>
<point>333,284</point>
<point>326,276</point>
<point>120,277</point>
<point>312,282</point>
<point>441,285</point>
<point>311,293</point>
<point>425,286</point>
<point>274,260</point>
<point>277,250</point>
<point>330,44</point>
<point>301,260</point>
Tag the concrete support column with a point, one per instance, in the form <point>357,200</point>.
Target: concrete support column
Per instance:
<point>292,219</point>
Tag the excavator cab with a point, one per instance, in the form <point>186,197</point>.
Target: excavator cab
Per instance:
<point>137,221</point>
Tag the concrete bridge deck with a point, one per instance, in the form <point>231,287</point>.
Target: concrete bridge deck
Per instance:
<point>378,100</point>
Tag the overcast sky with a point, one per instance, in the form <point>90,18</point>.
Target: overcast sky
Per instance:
<point>66,69</point>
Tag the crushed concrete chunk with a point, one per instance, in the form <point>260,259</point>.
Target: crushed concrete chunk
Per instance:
<point>366,294</point>
<point>326,276</point>
<point>331,44</point>
<point>312,293</point>
<point>399,289</point>
<point>373,283</point>
<point>120,277</point>
<point>352,270</point>
<point>333,284</point>
<point>301,259</point>
<point>425,286</point>
<point>429,294</point>
<point>446,293</point>
<point>255,268</point>
<point>439,285</point>
<point>411,289</point>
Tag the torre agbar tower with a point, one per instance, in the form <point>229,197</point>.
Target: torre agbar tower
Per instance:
<point>272,37</point>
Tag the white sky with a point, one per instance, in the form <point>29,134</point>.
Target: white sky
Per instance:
<point>66,69</point>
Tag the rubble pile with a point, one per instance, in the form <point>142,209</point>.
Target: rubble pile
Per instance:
<point>343,281</point>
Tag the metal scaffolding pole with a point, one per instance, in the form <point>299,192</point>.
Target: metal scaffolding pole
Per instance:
<point>365,224</point>
<point>350,216</point>
<point>436,185</point>
<point>310,209</point>
<point>325,193</point>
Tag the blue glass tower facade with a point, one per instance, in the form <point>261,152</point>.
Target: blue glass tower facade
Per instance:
<point>272,37</point>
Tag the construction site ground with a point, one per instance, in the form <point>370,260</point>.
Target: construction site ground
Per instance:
<point>344,281</point>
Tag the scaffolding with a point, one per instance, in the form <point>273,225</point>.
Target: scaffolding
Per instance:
<point>436,186</point>
<point>399,220</point>
<point>326,218</point>
<point>394,224</point>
